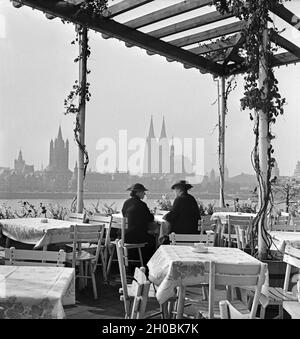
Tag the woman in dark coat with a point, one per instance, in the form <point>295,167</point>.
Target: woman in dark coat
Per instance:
<point>139,217</point>
<point>185,214</point>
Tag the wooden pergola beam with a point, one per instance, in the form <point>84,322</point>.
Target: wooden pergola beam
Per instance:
<point>282,59</point>
<point>125,6</point>
<point>185,25</point>
<point>130,36</point>
<point>284,43</point>
<point>214,46</point>
<point>209,34</point>
<point>168,12</point>
<point>286,15</point>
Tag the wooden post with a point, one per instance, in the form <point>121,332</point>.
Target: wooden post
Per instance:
<point>82,105</point>
<point>222,128</point>
<point>263,146</point>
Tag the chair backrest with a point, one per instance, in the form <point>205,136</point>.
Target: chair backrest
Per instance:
<point>292,258</point>
<point>206,224</point>
<point>120,223</point>
<point>238,222</point>
<point>140,289</point>
<point>190,239</point>
<point>34,258</point>
<point>242,236</point>
<point>76,217</point>
<point>236,275</point>
<point>280,223</point>
<point>105,220</point>
<point>123,262</point>
<point>86,233</point>
<point>228,311</point>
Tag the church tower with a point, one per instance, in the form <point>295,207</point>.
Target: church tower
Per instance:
<point>150,151</point>
<point>164,151</point>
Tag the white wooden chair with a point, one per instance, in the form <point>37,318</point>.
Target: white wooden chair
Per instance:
<point>242,237</point>
<point>129,292</point>
<point>228,235</point>
<point>16,257</point>
<point>86,234</point>
<point>99,219</point>
<point>231,276</point>
<point>121,223</point>
<point>189,239</point>
<point>278,295</point>
<point>280,223</point>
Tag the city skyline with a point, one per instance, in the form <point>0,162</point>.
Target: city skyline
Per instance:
<point>127,86</point>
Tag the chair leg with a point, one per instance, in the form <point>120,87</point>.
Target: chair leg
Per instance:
<point>205,292</point>
<point>281,311</point>
<point>262,312</point>
<point>81,273</point>
<point>103,267</point>
<point>110,261</point>
<point>94,285</point>
<point>141,257</point>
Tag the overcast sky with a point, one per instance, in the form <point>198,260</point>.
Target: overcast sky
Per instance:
<point>127,86</point>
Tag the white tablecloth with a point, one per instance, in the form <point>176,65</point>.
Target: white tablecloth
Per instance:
<point>280,239</point>
<point>33,231</point>
<point>222,216</point>
<point>171,266</point>
<point>28,292</point>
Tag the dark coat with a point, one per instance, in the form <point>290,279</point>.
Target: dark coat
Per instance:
<point>139,216</point>
<point>184,215</point>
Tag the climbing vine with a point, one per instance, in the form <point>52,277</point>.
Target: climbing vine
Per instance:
<point>80,92</point>
<point>264,96</point>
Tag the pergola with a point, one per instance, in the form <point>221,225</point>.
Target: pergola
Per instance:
<point>205,50</point>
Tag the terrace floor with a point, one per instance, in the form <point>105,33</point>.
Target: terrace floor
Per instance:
<point>109,306</point>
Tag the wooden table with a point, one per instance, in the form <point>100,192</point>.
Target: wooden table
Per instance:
<point>34,231</point>
<point>35,292</point>
<point>177,266</point>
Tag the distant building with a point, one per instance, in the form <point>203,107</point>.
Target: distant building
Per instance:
<point>212,177</point>
<point>21,167</point>
<point>297,170</point>
<point>57,175</point>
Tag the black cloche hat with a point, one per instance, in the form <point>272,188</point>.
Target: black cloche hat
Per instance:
<point>182,184</point>
<point>137,187</point>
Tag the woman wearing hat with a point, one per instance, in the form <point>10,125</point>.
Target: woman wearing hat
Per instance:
<point>184,216</point>
<point>139,217</point>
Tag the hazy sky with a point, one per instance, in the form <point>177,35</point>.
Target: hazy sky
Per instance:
<point>127,86</point>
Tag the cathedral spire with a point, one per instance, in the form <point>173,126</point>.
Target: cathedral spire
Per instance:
<point>151,129</point>
<point>163,133</point>
<point>59,133</point>
<point>20,158</point>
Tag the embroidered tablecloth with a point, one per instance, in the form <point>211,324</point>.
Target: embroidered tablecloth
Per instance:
<point>34,231</point>
<point>35,292</point>
<point>281,238</point>
<point>222,216</point>
<point>171,266</point>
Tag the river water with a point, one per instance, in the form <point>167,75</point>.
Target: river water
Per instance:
<point>88,203</point>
